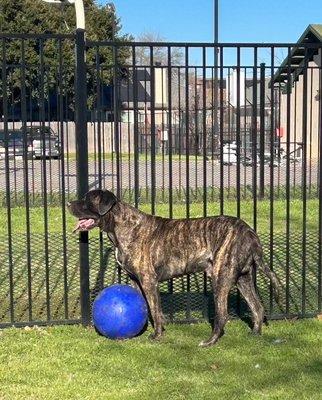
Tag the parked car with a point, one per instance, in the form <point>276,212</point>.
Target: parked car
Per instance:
<point>15,145</point>
<point>229,153</point>
<point>38,137</point>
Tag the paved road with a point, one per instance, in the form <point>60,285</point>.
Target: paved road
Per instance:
<point>50,172</point>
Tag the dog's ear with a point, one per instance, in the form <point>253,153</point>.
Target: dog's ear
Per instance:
<point>107,201</point>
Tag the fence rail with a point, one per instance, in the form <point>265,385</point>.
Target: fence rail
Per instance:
<point>177,129</point>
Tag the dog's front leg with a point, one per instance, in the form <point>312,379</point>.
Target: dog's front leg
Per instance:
<point>150,289</point>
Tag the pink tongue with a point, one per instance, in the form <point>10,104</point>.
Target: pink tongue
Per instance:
<point>84,224</point>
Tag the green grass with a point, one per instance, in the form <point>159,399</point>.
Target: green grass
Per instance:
<point>70,363</point>
<point>49,262</point>
<point>55,265</point>
<point>18,215</point>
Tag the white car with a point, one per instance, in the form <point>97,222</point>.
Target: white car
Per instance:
<point>15,149</point>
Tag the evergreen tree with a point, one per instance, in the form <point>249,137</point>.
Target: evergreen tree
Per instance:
<point>39,60</point>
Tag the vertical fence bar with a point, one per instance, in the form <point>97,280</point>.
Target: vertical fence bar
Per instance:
<point>146,129</point>
<point>129,144</point>
<point>228,132</point>
<point>221,131</point>
<point>320,192</point>
<point>153,131</point>
<point>288,208</point>
<point>136,129</point>
<point>170,150</point>
<point>245,105</point>
<point>204,136</point>
<point>196,129</point>
<point>162,141</point>
<point>170,133</point>
<point>48,121</point>
<point>262,131</point>
<point>7,175</point>
<point>44,175</point>
<point>278,122</point>
<point>304,180</point>
<point>238,303</point>
<point>26,176</point>
<point>297,92</point>
<point>180,186</point>
<point>272,157</point>
<point>187,121</point>
<point>254,140</point>
<point>82,167</point>
<point>213,105</point>
<point>311,129</point>
<point>238,135</point>
<point>61,94</point>
<point>116,104</point>
<point>99,116</point>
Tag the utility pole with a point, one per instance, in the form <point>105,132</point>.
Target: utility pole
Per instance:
<point>216,21</point>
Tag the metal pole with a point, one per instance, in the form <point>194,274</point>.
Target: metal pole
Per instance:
<point>79,9</point>
<point>81,148</point>
<point>216,22</point>
<point>82,167</point>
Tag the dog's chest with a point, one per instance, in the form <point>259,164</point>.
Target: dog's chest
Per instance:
<point>125,261</point>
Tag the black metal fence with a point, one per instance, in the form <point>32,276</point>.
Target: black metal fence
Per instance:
<point>176,129</point>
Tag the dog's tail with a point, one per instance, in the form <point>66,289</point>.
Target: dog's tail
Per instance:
<point>271,275</point>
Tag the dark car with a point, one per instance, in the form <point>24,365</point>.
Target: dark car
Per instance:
<point>43,142</point>
<point>15,144</point>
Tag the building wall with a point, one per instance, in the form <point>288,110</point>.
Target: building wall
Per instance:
<point>106,130</point>
<point>311,108</point>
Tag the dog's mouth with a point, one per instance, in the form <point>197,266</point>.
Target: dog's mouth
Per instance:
<point>85,224</point>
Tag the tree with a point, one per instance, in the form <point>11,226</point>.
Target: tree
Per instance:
<point>160,53</point>
<point>34,56</point>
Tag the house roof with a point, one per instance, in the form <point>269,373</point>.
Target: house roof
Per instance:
<point>295,61</point>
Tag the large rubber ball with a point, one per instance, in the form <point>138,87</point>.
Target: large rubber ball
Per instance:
<point>120,312</point>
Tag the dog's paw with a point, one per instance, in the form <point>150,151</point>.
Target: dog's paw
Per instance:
<point>155,336</point>
<point>206,343</point>
<point>210,342</point>
<point>255,332</point>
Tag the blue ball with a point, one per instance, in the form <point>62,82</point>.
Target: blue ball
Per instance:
<point>120,312</point>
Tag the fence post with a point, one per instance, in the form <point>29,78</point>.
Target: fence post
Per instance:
<point>82,167</point>
<point>262,132</point>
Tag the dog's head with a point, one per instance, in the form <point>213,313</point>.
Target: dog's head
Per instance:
<point>92,208</point>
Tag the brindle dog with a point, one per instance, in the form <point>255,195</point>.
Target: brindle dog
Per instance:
<point>153,249</point>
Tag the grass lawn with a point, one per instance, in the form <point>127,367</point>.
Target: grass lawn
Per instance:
<point>18,215</point>
<point>75,363</point>
<point>59,263</point>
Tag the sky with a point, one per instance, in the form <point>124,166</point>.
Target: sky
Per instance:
<point>240,20</point>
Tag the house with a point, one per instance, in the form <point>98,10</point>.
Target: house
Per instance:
<point>300,62</point>
<point>246,107</point>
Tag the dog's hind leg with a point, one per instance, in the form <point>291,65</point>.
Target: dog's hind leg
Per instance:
<point>247,289</point>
